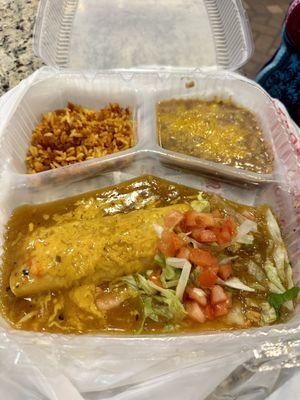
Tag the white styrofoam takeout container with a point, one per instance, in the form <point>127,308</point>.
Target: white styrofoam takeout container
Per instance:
<point>155,47</point>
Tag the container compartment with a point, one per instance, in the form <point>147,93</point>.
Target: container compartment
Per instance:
<point>54,93</point>
<point>281,201</point>
<point>74,355</point>
<point>106,34</point>
<point>141,91</point>
<point>225,85</point>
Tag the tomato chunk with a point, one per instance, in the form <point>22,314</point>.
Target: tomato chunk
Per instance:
<point>173,219</point>
<point>194,219</point>
<point>170,243</point>
<point>194,311</point>
<point>221,309</point>
<point>209,312</point>
<point>227,231</point>
<point>184,252</point>
<point>217,295</point>
<point>207,278</point>
<point>204,235</point>
<point>198,295</point>
<point>203,258</point>
<point>189,220</point>
<point>225,270</point>
<point>224,236</point>
<point>230,225</point>
<point>205,220</point>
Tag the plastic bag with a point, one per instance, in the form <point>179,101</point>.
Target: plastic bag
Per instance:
<point>48,366</point>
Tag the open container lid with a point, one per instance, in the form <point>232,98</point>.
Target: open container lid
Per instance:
<point>125,34</point>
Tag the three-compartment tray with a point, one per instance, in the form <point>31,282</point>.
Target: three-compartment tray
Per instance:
<point>141,91</point>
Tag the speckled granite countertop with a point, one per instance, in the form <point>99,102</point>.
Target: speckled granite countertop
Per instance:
<point>17,60</point>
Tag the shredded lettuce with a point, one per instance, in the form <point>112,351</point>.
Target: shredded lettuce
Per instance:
<point>234,247</point>
<point>289,275</point>
<point>149,312</point>
<point>226,259</point>
<point>256,271</point>
<point>160,260</point>
<point>158,302</point>
<point>278,252</point>
<point>201,204</point>
<point>194,275</point>
<point>246,239</point>
<point>268,314</point>
<point>276,300</point>
<point>175,307</point>
<point>145,285</point>
<point>183,280</point>
<point>259,288</point>
<point>273,226</point>
<point>279,259</point>
<point>176,262</point>
<point>130,281</point>
<point>235,283</point>
<point>236,316</point>
<point>169,274</point>
<point>243,232</point>
<point>272,275</point>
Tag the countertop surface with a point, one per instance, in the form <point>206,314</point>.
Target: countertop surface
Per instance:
<point>17,60</point>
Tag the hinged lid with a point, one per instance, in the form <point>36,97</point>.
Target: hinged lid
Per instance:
<point>118,34</point>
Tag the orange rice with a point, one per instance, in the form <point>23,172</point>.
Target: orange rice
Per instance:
<point>76,134</point>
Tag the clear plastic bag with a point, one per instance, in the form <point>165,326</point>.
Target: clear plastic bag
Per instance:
<point>245,363</point>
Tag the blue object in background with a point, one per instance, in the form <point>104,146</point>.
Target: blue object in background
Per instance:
<point>280,77</point>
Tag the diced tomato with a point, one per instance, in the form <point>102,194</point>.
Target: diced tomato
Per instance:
<point>224,236</point>
<point>249,215</point>
<point>216,230</point>
<point>189,220</point>
<point>207,278</point>
<point>170,243</point>
<point>209,312</point>
<point>194,311</point>
<point>205,220</point>
<point>230,225</point>
<point>225,271</point>
<point>166,248</point>
<point>197,295</point>
<point>215,269</point>
<point>227,231</point>
<point>204,235</point>
<point>203,258</point>
<point>184,252</point>
<point>221,309</point>
<point>217,295</point>
<point>173,219</point>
